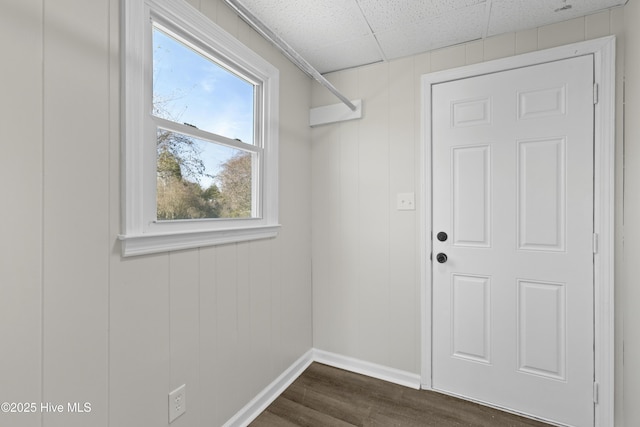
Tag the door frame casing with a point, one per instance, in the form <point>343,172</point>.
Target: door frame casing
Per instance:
<point>603,51</point>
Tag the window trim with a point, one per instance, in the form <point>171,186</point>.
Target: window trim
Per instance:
<point>139,236</point>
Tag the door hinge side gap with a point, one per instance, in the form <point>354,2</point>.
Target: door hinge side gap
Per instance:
<point>595,93</point>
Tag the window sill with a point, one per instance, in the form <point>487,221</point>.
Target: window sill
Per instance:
<point>143,244</point>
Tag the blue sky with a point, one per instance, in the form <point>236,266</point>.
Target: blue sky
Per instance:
<point>195,90</point>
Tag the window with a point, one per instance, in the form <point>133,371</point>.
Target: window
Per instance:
<point>200,133</point>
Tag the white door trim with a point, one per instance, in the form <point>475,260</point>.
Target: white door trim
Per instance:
<point>603,51</point>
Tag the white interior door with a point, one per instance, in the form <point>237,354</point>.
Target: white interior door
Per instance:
<point>513,191</point>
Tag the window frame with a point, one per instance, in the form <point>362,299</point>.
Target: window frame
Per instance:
<point>141,232</point>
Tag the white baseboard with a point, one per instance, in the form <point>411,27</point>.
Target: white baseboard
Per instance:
<point>369,369</point>
<point>259,403</point>
<point>254,408</point>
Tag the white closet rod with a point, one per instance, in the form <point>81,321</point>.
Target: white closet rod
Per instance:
<point>287,50</point>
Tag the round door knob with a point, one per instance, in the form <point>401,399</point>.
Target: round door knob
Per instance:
<point>442,236</point>
<point>442,258</point>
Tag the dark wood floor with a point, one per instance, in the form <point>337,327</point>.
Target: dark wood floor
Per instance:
<point>326,396</point>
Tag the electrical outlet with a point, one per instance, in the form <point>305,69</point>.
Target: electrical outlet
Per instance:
<point>406,202</point>
<point>177,402</point>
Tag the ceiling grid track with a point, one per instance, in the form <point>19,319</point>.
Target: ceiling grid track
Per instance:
<point>487,18</point>
<point>373,34</point>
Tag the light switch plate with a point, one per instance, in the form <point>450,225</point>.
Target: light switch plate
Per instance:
<point>406,202</point>
<point>177,402</point>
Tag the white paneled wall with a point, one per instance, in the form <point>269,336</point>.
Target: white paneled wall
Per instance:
<point>75,208</point>
<point>21,172</point>
<point>230,318</point>
<point>365,269</point>
<point>366,278</point>
<point>629,300</point>
<point>79,322</point>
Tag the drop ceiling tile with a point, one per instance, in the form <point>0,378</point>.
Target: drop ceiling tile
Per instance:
<point>432,33</point>
<point>348,54</point>
<point>311,23</point>
<point>514,15</point>
<point>338,34</point>
<point>384,15</point>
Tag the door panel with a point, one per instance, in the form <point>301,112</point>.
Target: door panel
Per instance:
<point>471,314</point>
<point>513,188</point>
<point>471,198</point>
<point>541,194</point>
<point>542,103</point>
<point>542,329</point>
